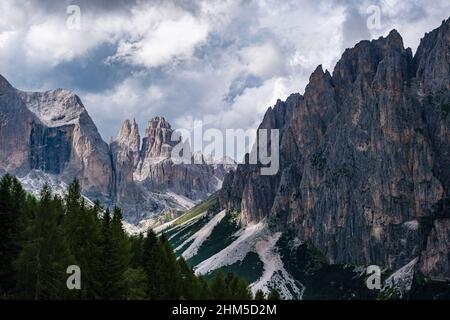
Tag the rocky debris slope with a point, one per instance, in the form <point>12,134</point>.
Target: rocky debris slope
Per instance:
<point>364,158</point>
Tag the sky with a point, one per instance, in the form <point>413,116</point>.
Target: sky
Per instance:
<point>221,62</point>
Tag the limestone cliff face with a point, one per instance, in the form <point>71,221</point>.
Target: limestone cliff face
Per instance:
<point>15,120</point>
<point>51,132</point>
<point>143,170</point>
<point>125,156</point>
<point>364,170</point>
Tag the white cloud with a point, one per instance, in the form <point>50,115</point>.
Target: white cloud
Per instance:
<point>129,99</point>
<point>224,62</point>
<point>164,41</point>
<point>261,60</point>
<point>148,34</point>
<point>5,37</point>
<point>51,43</point>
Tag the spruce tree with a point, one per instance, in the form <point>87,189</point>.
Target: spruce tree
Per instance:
<point>188,282</point>
<point>153,266</point>
<point>82,229</point>
<point>121,254</point>
<point>218,287</point>
<point>12,206</point>
<point>44,257</point>
<point>259,295</point>
<point>273,295</point>
<point>171,273</point>
<point>238,288</point>
<point>137,249</point>
<point>202,288</point>
<point>107,280</point>
<point>135,284</point>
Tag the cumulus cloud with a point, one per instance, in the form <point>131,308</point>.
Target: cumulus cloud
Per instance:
<point>221,61</point>
<point>261,60</point>
<point>129,99</point>
<point>169,33</point>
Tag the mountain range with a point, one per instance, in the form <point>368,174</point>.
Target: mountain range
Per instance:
<point>50,137</point>
<point>364,173</point>
<point>363,181</point>
<point>364,159</point>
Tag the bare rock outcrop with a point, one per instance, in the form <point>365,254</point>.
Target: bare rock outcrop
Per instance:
<point>51,133</point>
<point>364,158</point>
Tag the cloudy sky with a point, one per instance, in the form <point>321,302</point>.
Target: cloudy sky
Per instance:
<point>223,62</point>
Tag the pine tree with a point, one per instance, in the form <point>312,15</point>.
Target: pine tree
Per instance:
<point>171,277</point>
<point>82,229</point>
<point>105,278</point>
<point>12,206</point>
<point>134,284</point>
<point>202,288</point>
<point>121,251</point>
<point>273,295</point>
<point>137,249</point>
<point>44,257</point>
<point>189,288</point>
<point>153,266</point>
<point>113,258</point>
<point>238,288</point>
<point>218,287</point>
<point>259,295</point>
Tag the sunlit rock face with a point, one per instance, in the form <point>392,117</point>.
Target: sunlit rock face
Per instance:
<point>51,132</point>
<point>364,158</point>
<point>145,168</point>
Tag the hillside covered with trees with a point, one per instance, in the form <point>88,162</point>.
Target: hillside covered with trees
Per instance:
<point>41,236</point>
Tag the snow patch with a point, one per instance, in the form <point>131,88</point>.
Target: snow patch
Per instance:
<point>35,180</point>
<point>163,226</point>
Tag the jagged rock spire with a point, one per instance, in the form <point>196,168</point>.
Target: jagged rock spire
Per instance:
<point>129,135</point>
<point>157,141</point>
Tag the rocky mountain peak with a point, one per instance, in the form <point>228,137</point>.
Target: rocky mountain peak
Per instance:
<point>158,122</point>
<point>129,135</point>
<point>55,107</point>
<point>50,134</point>
<point>157,141</point>
<point>432,60</point>
<point>318,80</point>
<point>317,73</point>
<point>4,84</point>
<point>356,154</point>
<point>393,40</point>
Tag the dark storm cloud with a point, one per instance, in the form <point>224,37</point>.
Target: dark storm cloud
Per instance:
<point>246,54</point>
<point>111,5</point>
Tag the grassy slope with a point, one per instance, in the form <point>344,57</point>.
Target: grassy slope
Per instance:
<point>206,205</point>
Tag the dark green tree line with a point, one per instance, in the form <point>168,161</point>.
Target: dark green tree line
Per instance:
<point>40,237</point>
